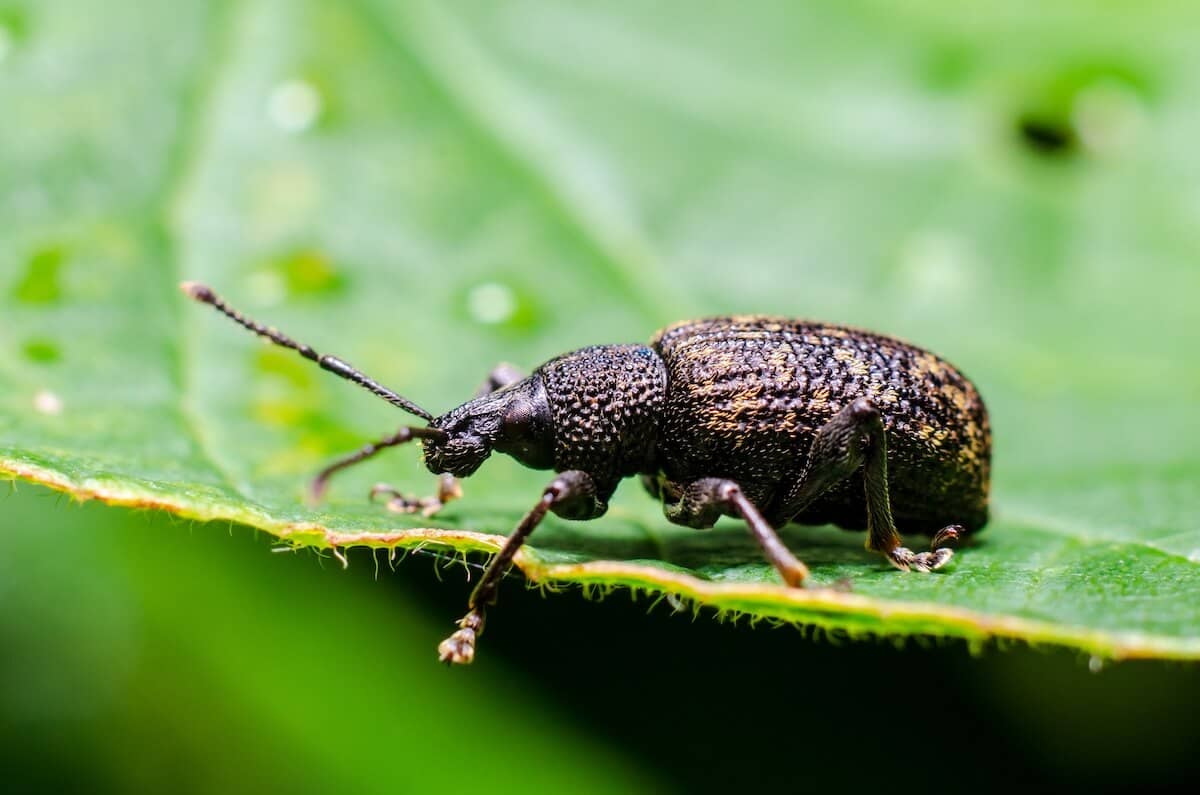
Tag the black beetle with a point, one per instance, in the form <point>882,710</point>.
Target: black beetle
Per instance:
<point>766,419</point>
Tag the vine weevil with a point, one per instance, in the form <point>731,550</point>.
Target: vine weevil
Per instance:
<point>767,419</point>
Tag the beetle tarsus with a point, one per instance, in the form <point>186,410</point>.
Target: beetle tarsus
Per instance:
<point>905,559</point>
<point>448,489</point>
<point>459,648</point>
<point>937,556</point>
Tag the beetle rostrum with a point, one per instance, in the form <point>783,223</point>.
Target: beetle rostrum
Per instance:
<point>769,420</point>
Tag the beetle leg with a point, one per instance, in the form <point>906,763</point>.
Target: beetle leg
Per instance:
<point>702,502</point>
<point>500,376</point>
<point>402,436</point>
<point>573,495</point>
<point>855,438</point>
<point>448,489</point>
<point>660,488</point>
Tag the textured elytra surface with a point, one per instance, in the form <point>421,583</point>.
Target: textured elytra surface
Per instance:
<point>466,193</point>
<point>747,396</point>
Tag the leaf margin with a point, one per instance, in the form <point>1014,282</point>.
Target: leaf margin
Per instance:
<point>830,612</point>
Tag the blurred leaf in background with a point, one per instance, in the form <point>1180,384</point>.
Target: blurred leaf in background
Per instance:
<point>429,188</point>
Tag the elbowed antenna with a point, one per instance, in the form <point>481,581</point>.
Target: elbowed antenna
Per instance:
<point>333,364</point>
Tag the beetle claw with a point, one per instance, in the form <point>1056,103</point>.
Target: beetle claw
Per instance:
<point>950,534</point>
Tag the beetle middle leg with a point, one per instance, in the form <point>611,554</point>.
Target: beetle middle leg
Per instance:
<point>573,495</point>
<point>856,439</point>
<point>702,502</point>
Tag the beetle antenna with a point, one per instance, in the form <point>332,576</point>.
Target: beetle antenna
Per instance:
<point>333,364</point>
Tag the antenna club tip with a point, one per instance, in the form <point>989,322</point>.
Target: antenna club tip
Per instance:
<point>198,291</point>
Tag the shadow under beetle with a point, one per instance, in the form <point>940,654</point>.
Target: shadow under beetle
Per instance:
<point>766,419</point>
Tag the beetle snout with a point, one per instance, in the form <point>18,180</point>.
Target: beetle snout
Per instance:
<point>459,455</point>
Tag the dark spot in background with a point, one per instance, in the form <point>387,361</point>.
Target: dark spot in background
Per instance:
<point>1047,123</point>
<point>1046,136</point>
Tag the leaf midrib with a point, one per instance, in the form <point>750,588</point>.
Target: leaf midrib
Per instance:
<point>628,258</point>
<point>195,141</point>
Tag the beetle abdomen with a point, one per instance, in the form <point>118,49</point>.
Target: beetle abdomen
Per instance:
<point>746,395</point>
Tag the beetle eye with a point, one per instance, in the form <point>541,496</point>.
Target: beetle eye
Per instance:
<point>517,417</point>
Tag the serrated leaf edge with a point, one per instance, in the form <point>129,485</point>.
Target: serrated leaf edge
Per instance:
<point>836,612</point>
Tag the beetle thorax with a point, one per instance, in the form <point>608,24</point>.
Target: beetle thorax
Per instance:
<point>605,403</point>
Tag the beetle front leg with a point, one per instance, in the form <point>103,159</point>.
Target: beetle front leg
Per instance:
<point>855,438</point>
<point>573,495</point>
<point>702,502</point>
<point>448,489</point>
<point>406,434</point>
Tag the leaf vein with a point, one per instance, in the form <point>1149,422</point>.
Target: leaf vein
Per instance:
<point>469,83</point>
<point>192,148</point>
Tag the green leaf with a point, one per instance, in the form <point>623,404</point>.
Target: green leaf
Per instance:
<point>426,189</point>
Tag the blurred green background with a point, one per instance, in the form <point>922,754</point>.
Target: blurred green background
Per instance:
<point>1012,185</point>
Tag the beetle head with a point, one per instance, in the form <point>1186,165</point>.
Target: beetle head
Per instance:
<point>514,420</point>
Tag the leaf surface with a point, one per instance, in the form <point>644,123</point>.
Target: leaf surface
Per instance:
<point>426,189</point>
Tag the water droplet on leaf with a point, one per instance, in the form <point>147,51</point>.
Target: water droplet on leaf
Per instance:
<point>46,402</point>
<point>294,106</point>
<point>491,303</point>
<point>1108,116</point>
<point>938,265</point>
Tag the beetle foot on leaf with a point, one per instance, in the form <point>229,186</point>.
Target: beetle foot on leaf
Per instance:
<point>459,648</point>
<point>448,489</point>
<point>937,556</point>
<point>905,559</point>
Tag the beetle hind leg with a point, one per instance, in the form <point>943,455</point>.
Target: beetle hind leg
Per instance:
<point>855,439</point>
